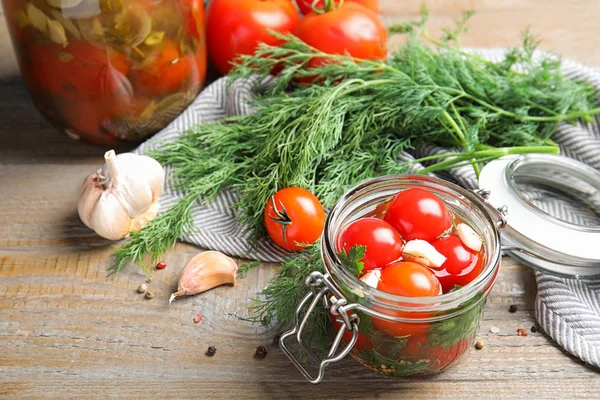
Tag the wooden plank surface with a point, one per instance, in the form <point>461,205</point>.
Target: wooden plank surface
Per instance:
<point>69,331</point>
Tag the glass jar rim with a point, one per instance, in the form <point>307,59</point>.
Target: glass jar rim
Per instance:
<point>404,303</point>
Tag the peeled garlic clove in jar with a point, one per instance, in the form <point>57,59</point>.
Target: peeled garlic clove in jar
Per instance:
<point>205,271</point>
<point>469,237</point>
<point>372,278</point>
<point>122,196</point>
<point>422,249</point>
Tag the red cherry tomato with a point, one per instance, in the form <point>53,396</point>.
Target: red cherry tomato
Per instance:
<point>163,71</point>
<point>235,27</point>
<point>409,279</point>
<point>462,265</point>
<point>362,342</point>
<point>418,214</point>
<point>349,29</point>
<point>79,70</point>
<point>382,208</point>
<point>416,330</point>
<point>294,217</point>
<point>383,244</point>
<point>405,278</point>
<point>306,5</point>
<point>442,357</point>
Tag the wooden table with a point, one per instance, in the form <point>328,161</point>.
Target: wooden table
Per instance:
<point>69,331</point>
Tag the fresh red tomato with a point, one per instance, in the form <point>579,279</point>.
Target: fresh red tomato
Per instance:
<point>383,244</point>
<point>418,214</point>
<point>306,5</point>
<point>163,71</point>
<point>405,278</point>
<point>79,70</point>
<point>349,29</point>
<point>235,27</point>
<point>294,217</point>
<point>362,342</point>
<point>462,264</point>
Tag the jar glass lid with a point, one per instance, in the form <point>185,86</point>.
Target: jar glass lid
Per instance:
<point>553,205</point>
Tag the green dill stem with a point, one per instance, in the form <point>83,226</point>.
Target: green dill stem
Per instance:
<point>482,155</point>
<point>565,117</point>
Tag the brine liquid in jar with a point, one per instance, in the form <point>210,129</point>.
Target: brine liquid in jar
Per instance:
<point>109,70</point>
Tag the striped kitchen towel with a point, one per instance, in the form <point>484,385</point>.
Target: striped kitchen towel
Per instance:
<point>568,310</point>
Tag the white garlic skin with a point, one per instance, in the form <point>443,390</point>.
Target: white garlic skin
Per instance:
<point>122,196</point>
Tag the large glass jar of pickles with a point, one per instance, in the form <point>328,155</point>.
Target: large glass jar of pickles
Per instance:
<point>109,70</point>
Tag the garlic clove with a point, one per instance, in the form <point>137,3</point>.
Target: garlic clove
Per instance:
<point>90,194</point>
<point>422,249</point>
<point>469,237</point>
<point>109,219</point>
<point>372,278</point>
<point>205,271</point>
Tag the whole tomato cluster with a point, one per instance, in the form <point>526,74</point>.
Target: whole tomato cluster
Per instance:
<point>415,246</point>
<point>236,27</point>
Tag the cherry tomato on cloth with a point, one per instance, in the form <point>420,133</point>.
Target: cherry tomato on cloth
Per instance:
<point>306,5</point>
<point>418,214</point>
<point>79,70</point>
<point>235,27</point>
<point>294,217</point>
<point>383,244</point>
<point>163,71</point>
<point>462,265</point>
<point>350,28</point>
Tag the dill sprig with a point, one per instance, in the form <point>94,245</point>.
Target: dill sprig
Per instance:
<point>277,302</point>
<point>356,120</point>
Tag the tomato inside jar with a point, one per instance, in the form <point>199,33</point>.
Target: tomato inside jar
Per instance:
<point>422,284</point>
<point>109,70</point>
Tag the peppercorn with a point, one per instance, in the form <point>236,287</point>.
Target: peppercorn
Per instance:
<point>197,318</point>
<point>161,265</point>
<point>276,340</point>
<point>211,351</point>
<point>534,329</point>
<point>479,345</point>
<point>143,288</point>
<point>261,352</point>
<point>149,280</point>
<point>521,332</point>
<point>150,294</point>
<point>513,308</point>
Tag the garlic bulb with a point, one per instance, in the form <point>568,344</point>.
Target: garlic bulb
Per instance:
<point>122,196</point>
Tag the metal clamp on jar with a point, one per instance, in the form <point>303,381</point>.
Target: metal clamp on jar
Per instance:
<point>554,226</point>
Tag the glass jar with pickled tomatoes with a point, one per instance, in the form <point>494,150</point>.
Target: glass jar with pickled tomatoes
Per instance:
<point>413,303</point>
<point>109,70</point>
